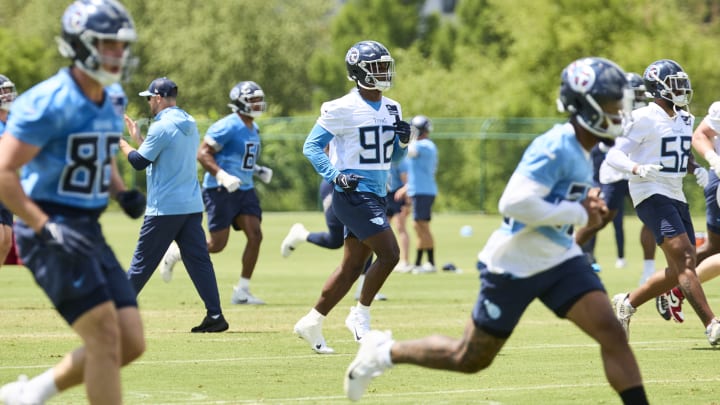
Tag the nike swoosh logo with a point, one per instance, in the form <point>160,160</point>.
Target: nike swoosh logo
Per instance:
<point>357,337</point>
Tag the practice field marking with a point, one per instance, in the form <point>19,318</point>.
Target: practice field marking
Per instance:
<point>637,346</point>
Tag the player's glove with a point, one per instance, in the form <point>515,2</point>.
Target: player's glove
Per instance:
<point>714,160</point>
<point>701,176</point>
<point>132,202</point>
<point>348,182</point>
<point>403,132</point>
<point>648,171</point>
<point>264,173</point>
<point>227,180</point>
<point>70,240</point>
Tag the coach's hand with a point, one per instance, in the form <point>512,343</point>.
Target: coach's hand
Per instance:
<point>348,182</point>
<point>132,202</point>
<point>227,180</point>
<point>70,240</point>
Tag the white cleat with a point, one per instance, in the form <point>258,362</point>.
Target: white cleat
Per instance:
<point>367,364</point>
<point>358,322</point>
<point>426,268</point>
<point>12,393</point>
<point>242,296</point>
<point>620,263</point>
<point>311,332</point>
<point>297,235</point>
<point>169,260</point>
<point>623,311</point>
<point>713,332</point>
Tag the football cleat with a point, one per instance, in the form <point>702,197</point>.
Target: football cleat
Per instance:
<point>623,311</point>
<point>169,260</point>
<point>242,296</point>
<point>210,325</point>
<point>12,393</point>
<point>426,268</point>
<point>311,332</point>
<point>675,298</point>
<point>358,322</point>
<point>367,364</point>
<point>713,332</point>
<point>620,263</point>
<point>296,236</point>
<point>662,306</point>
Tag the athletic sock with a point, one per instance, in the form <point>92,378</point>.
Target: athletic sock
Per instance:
<point>431,256</point>
<point>634,396</point>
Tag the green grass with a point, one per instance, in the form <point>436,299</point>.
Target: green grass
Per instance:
<point>259,360</point>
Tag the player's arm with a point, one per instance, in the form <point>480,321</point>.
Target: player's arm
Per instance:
<point>313,149</point>
<point>206,157</point>
<point>703,137</point>
<point>523,200</point>
<point>15,154</point>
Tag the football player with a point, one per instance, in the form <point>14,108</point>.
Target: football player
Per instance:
<point>64,134</point>
<point>8,93</point>
<point>669,304</point>
<point>365,132</point>
<point>657,152</point>
<point>533,254</point>
<point>229,153</point>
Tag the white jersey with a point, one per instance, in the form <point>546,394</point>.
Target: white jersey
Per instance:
<point>654,137</point>
<point>712,119</point>
<point>347,115</point>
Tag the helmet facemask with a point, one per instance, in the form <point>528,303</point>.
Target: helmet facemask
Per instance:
<point>8,94</point>
<point>379,73</point>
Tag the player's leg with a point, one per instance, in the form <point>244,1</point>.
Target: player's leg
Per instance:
<point>649,245</point>
<point>334,237</point>
<point>250,224</point>
<point>593,314</point>
<point>6,233</point>
<point>712,217</point>
<point>618,225</point>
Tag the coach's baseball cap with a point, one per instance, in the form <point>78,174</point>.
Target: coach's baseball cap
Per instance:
<point>162,87</point>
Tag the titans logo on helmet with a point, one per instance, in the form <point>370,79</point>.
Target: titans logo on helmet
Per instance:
<point>581,76</point>
<point>352,56</point>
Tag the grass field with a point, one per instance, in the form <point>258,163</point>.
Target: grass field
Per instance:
<point>259,360</point>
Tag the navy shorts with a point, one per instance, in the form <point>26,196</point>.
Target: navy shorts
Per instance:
<point>614,194</point>
<point>6,217</point>
<point>394,207</point>
<point>503,298</point>
<point>422,207</point>
<point>75,284</point>
<point>712,210</point>
<point>223,207</point>
<point>666,217</point>
<point>362,213</point>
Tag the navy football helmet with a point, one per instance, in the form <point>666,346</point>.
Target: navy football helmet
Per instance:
<point>666,79</point>
<point>84,24</point>
<point>637,85</point>
<point>248,99</point>
<point>586,85</point>
<point>8,93</point>
<point>370,65</point>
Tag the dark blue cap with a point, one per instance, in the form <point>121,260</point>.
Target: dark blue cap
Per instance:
<point>162,87</point>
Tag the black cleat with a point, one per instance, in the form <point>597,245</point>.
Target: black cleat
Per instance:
<point>210,325</point>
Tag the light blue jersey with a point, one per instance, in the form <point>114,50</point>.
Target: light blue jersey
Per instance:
<point>77,140</point>
<point>237,150</point>
<point>362,140</point>
<point>397,169</point>
<point>556,170</point>
<point>172,183</point>
<point>421,169</point>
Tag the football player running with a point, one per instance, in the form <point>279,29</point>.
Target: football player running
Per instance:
<point>64,133</point>
<point>656,150</point>
<point>365,132</point>
<point>545,197</point>
<point>669,304</point>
